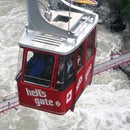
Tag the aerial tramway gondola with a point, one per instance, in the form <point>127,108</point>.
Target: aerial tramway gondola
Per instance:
<point>56,56</point>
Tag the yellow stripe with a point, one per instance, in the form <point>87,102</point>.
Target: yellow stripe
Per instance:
<point>84,2</point>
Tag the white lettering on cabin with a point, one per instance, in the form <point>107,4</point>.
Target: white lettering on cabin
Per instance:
<point>46,102</point>
<point>40,98</point>
<point>36,93</point>
<point>88,71</point>
<point>57,103</point>
<point>81,77</point>
<point>79,82</point>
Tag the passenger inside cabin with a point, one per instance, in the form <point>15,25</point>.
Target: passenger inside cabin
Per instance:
<point>69,68</point>
<point>35,65</point>
<point>79,62</point>
<point>80,56</point>
<point>65,71</point>
<point>60,73</point>
<point>47,72</point>
<point>38,68</point>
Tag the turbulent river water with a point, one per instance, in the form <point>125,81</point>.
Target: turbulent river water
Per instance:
<point>105,105</point>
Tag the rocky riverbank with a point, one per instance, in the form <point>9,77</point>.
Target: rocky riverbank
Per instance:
<point>112,19</point>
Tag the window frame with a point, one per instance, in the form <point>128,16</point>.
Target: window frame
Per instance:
<point>24,67</point>
<point>67,82</point>
<point>88,56</point>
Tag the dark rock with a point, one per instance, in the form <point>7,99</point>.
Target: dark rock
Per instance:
<point>126,69</point>
<point>116,21</point>
<point>126,39</point>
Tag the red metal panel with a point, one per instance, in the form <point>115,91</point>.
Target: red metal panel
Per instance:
<point>45,99</point>
<point>88,72</point>
<point>79,85</point>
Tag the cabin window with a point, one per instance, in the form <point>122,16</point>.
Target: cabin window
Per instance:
<point>20,59</point>
<point>89,46</point>
<point>80,57</point>
<point>65,71</point>
<point>38,68</point>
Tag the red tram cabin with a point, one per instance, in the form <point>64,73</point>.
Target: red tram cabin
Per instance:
<point>56,57</point>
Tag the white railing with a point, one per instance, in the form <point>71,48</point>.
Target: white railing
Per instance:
<point>112,63</point>
<point>8,102</point>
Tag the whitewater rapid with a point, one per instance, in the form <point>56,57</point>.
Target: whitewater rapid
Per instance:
<point>105,105</point>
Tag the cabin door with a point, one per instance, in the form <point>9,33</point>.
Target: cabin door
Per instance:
<point>89,58</point>
<point>80,70</point>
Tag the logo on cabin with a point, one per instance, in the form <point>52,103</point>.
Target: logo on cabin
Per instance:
<point>88,71</point>
<point>68,96</point>
<point>40,98</point>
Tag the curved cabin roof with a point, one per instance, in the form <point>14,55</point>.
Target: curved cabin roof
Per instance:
<point>58,31</point>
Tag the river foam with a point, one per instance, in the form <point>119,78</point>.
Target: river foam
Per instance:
<point>105,105</point>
